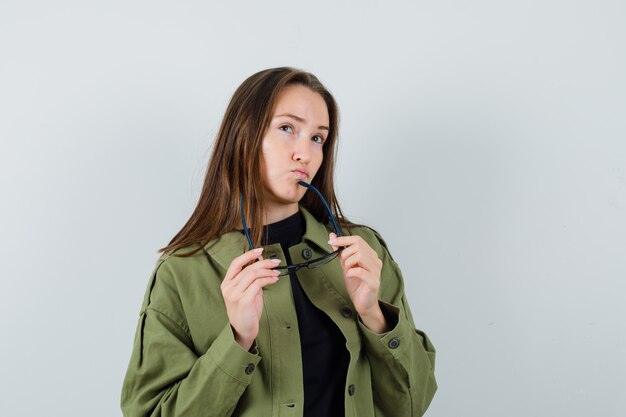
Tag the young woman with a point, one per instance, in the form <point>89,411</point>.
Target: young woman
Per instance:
<point>269,302</point>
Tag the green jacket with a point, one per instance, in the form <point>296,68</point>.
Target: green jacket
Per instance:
<point>185,361</point>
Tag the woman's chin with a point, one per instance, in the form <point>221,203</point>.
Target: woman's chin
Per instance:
<point>289,197</point>
<point>286,194</point>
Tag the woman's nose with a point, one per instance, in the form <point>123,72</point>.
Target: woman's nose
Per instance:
<point>300,158</point>
<point>302,152</point>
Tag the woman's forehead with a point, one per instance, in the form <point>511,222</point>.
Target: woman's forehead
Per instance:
<point>303,103</point>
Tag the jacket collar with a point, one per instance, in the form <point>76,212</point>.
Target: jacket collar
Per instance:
<point>232,244</point>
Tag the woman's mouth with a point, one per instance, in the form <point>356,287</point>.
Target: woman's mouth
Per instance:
<point>300,174</point>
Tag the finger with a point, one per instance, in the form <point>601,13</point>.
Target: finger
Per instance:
<point>234,288</point>
<point>241,261</point>
<point>331,237</point>
<point>253,275</point>
<point>237,264</point>
<point>364,277</point>
<point>257,286</point>
<point>335,247</point>
<point>266,266</point>
<point>353,260</point>
<point>368,256</point>
<point>357,272</point>
<point>349,251</point>
<point>345,240</point>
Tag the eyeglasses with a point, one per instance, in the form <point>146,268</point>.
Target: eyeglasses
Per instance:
<point>312,264</point>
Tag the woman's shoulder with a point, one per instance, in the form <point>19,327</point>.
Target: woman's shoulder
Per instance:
<point>176,274</point>
<point>181,264</point>
<point>182,254</point>
<point>199,256</point>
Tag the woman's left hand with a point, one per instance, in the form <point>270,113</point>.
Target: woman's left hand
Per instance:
<point>361,274</point>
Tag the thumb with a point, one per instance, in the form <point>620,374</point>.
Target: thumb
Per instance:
<point>331,237</point>
<point>335,247</point>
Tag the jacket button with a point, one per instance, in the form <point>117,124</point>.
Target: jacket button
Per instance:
<point>346,312</point>
<point>307,254</point>
<point>351,390</point>
<point>394,343</point>
<point>250,368</point>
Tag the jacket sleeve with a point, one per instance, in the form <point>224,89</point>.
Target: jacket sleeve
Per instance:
<point>402,360</point>
<point>166,377</point>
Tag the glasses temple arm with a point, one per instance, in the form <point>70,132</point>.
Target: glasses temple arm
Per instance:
<point>304,184</point>
<point>243,220</point>
<point>330,213</point>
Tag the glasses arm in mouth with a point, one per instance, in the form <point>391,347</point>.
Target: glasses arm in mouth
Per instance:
<point>303,184</point>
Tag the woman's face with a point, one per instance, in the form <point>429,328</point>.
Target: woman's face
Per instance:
<point>292,145</point>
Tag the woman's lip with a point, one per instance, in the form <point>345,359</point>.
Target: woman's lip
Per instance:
<point>300,174</point>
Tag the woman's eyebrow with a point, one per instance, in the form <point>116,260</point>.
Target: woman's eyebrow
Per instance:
<point>299,119</point>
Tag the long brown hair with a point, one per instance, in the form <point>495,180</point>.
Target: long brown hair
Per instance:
<point>234,166</point>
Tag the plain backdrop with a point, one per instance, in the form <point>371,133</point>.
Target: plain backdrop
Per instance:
<point>485,140</point>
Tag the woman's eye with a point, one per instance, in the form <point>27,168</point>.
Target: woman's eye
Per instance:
<point>318,139</point>
<point>286,128</point>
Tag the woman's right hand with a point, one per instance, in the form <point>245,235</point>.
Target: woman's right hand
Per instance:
<point>242,289</point>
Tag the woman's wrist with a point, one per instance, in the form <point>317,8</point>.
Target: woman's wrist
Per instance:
<point>375,320</point>
<point>245,343</point>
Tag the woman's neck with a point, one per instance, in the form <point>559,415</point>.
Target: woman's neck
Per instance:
<point>277,212</point>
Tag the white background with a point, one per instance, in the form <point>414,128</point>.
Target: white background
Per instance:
<point>485,140</point>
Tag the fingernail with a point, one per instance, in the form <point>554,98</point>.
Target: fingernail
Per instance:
<point>332,241</point>
<point>258,250</point>
<point>276,261</point>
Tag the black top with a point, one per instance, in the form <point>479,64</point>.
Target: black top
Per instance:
<point>324,354</point>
